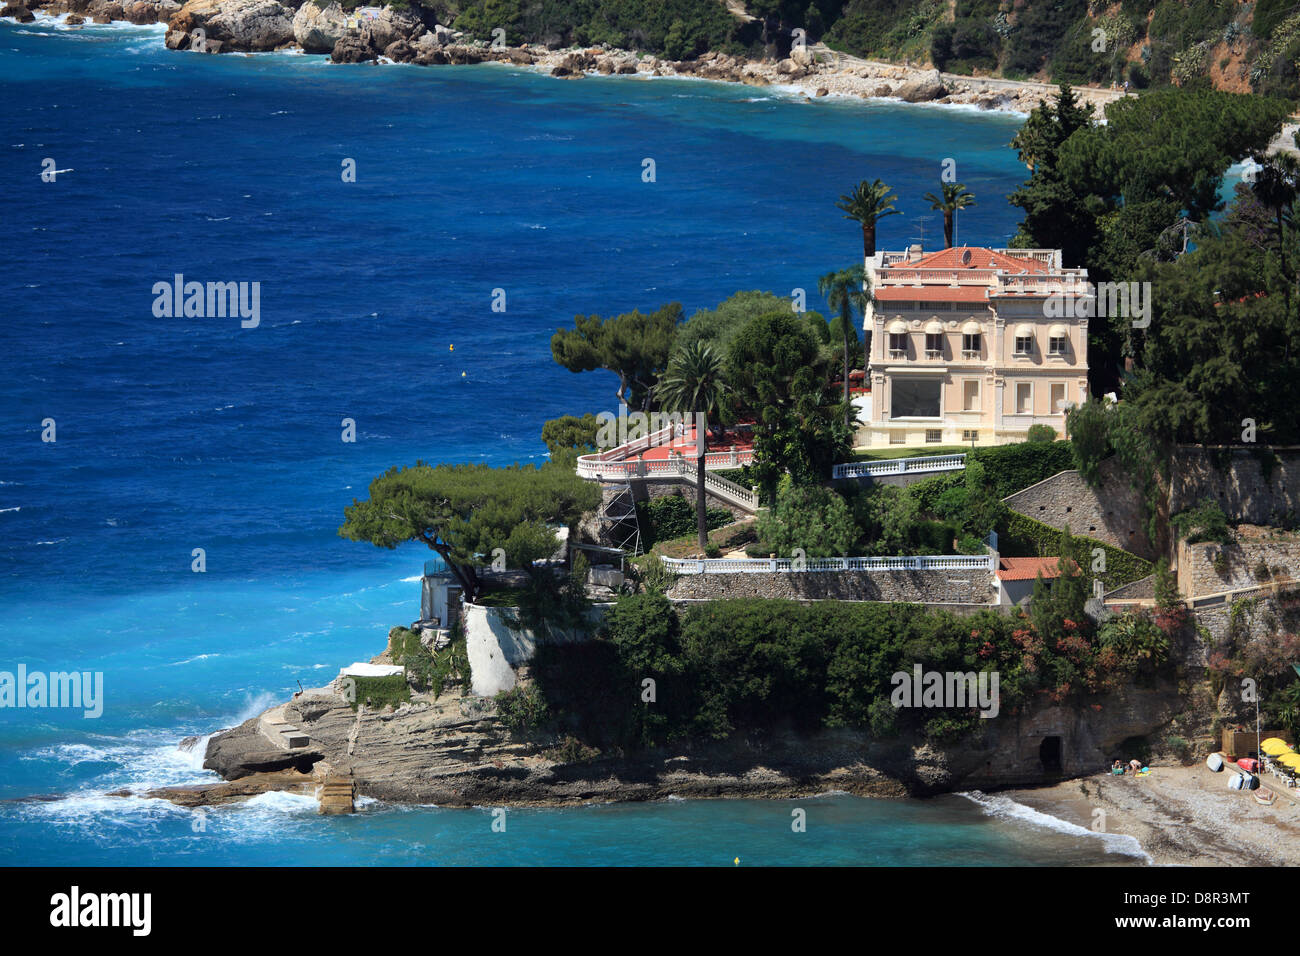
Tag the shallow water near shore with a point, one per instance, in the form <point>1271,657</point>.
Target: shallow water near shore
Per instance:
<point>183,433</point>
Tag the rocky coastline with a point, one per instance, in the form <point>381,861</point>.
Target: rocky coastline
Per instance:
<point>452,749</point>
<point>401,36</point>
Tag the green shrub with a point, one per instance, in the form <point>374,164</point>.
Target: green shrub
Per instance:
<point>1204,522</point>
<point>1042,433</point>
<point>654,574</point>
<point>425,670</point>
<point>1020,536</point>
<point>522,708</point>
<point>571,750</point>
<point>1012,468</point>
<point>672,516</point>
<point>755,665</point>
<point>814,518</point>
<point>380,692</point>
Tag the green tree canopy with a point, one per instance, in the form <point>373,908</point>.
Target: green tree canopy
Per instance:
<point>464,512</point>
<point>570,431</point>
<point>719,325</point>
<point>778,375</point>
<point>634,346</point>
<point>813,518</point>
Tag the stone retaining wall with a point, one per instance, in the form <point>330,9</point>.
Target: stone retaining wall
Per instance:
<point>916,587</point>
<point>1239,561</point>
<point>1111,514</point>
<point>1235,478</point>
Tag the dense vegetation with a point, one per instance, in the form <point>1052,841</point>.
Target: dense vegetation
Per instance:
<point>1143,42</point>
<point>672,516</point>
<point>752,665</point>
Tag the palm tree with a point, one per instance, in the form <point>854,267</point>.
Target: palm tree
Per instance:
<point>868,202</point>
<point>952,196</point>
<point>846,291</point>
<point>693,382</point>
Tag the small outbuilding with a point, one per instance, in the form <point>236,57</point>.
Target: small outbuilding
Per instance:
<point>1016,576</point>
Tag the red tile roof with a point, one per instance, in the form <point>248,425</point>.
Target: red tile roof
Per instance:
<point>931,293</point>
<point>980,258</point>
<point>1027,569</point>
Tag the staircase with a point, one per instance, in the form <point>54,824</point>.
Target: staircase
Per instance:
<point>280,732</point>
<point>337,794</point>
<point>722,488</point>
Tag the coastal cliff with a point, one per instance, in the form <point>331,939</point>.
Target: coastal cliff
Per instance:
<point>455,750</point>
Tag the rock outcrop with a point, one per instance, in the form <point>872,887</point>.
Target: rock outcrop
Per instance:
<point>318,29</point>
<point>923,89</point>
<point>246,25</point>
<point>18,12</point>
<point>392,25</point>
<point>353,48</point>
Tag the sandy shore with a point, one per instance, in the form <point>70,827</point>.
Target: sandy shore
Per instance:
<point>1182,816</point>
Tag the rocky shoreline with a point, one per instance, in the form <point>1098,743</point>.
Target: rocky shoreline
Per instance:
<point>452,749</point>
<point>401,36</point>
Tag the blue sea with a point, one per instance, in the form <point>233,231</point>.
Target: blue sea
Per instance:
<point>175,434</point>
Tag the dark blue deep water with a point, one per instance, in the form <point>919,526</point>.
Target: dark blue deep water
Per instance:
<point>183,433</point>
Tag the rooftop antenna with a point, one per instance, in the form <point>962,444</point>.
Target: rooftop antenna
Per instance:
<point>920,225</point>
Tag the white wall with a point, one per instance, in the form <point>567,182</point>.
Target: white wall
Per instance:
<point>495,650</point>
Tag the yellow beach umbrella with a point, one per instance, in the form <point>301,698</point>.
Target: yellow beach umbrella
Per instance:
<point>1275,746</point>
<point>1289,760</point>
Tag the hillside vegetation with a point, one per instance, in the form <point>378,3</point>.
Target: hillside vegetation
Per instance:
<point>1224,43</point>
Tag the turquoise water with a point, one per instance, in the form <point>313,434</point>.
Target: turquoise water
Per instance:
<point>177,433</point>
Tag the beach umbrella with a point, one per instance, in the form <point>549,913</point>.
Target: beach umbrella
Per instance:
<point>1275,746</point>
<point>1289,760</point>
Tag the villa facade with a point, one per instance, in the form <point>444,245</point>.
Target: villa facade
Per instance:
<point>972,345</point>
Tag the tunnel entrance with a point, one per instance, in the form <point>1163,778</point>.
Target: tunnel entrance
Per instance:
<point>1049,754</point>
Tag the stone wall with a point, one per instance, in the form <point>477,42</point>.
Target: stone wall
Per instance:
<point>1238,561</point>
<point>1234,625</point>
<point>917,587</point>
<point>1111,514</point>
<point>1238,482</point>
<point>1141,589</point>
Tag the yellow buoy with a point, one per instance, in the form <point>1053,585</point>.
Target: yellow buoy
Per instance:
<point>737,861</point>
<point>451,348</point>
<point>462,374</point>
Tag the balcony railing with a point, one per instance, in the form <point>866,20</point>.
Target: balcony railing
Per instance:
<point>899,466</point>
<point>593,467</point>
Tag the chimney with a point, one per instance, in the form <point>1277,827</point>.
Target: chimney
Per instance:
<point>914,252</point>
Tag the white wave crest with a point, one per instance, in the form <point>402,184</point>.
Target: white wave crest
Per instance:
<point>1005,808</point>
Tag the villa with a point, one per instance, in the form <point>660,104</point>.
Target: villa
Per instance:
<point>968,345</point>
